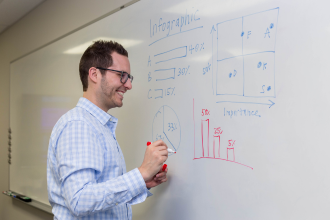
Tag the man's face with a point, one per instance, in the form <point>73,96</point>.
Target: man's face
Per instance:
<point>112,89</point>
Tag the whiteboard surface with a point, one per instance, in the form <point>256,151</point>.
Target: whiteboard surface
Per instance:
<point>238,88</point>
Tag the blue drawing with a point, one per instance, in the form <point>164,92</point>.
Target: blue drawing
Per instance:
<point>159,92</point>
<point>267,33</point>
<point>149,77</point>
<point>207,69</point>
<point>264,66</point>
<point>166,126</point>
<point>270,103</point>
<point>184,71</point>
<point>175,53</point>
<point>171,27</point>
<point>149,96</point>
<point>164,74</point>
<point>240,113</point>
<point>249,33</point>
<point>235,52</point>
<point>196,48</point>
<point>175,34</point>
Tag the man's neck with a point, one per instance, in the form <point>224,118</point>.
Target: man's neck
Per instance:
<point>95,101</point>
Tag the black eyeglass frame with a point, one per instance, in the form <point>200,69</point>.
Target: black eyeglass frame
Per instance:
<point>129,76</point>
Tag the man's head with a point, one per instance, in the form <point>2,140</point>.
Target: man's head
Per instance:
<point>104,87</point>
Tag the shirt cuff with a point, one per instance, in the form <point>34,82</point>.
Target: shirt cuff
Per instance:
<point>149,193</point>
<point>135,182</point>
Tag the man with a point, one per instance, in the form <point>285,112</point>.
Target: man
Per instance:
<point>86,171</point>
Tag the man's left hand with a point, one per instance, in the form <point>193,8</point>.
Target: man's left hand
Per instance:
<point>158,179</point>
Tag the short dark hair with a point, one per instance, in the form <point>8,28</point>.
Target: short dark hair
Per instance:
<point>98,55</point>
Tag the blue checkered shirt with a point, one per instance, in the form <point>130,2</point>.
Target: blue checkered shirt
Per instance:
<point>86,172</point>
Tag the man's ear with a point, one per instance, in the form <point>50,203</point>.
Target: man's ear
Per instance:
<point>93,75</point>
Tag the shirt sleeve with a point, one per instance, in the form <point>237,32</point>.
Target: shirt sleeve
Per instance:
<point>80,159</point>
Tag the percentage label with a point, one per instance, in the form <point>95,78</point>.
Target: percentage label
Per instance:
<point>196,48</point>
<point>172,127</point>
<point>231,143</point>
<point>169,91</point>
<point>205,112</point>
<point>183,71</point>
<point>218,130</point>
<point>159,137</point>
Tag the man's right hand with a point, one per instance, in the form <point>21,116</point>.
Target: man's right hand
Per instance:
<point>156,154</point>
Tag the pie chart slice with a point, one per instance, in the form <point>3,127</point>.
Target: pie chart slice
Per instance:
<point>166,126</point>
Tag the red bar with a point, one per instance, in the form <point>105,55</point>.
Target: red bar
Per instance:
<point>207,123</point>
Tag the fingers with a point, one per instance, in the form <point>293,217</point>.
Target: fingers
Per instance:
<point>161,175</point>
<point>159,143</point>
<point>161,179</point>
<point>156,154</point>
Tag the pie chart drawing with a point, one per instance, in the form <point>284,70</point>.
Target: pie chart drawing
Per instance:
<point>166,126</point>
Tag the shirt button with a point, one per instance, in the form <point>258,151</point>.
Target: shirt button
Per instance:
<point>117,203</point>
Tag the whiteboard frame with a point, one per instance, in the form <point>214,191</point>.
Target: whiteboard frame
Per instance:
<point>35,203</point>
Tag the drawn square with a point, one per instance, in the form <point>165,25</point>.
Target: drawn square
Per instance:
<point>229,80</point>
<point>229,38</point>
<point>260,32</point>
<point>259,75</point>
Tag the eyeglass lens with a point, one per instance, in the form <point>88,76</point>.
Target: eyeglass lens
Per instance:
<point>124,77</point>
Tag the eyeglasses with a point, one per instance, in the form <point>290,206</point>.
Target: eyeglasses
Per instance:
<point>123,77</point>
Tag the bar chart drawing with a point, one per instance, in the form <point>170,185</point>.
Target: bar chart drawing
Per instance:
<point>166,126</point>
<point>217,150</point>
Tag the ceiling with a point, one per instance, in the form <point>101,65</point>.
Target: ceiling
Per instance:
<point>12,10</point>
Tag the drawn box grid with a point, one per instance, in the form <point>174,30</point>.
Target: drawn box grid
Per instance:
<point>238,40</point>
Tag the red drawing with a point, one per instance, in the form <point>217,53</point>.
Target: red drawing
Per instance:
<point>218,130</point>
<point>230,150</point>
<point>204,151</point>
<point>216,146</point>
<point>205,136</point>
<point>205,112</point>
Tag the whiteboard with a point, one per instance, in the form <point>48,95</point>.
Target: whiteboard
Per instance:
<point>238,88</point>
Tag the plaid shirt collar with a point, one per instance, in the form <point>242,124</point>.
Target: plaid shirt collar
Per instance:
<point>98,113</point>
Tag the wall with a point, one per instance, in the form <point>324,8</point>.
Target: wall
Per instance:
<point>47,22</point>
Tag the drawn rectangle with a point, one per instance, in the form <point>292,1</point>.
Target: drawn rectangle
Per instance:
<point>165,74</point>
<point>216,146</point>
<point>205,128</point>
<point>259,75</point>
<point>229,38</point>
<point>230,154</point>
<point>158,93</point>
<point>230,76</point>
<point>260,32</point>
<point>175,53</point>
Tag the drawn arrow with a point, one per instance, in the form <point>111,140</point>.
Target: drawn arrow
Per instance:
<point>212,31</point>
<point>256,103</point>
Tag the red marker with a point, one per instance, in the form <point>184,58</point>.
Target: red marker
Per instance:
<point>164,167</point>
<point>168,149</point>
